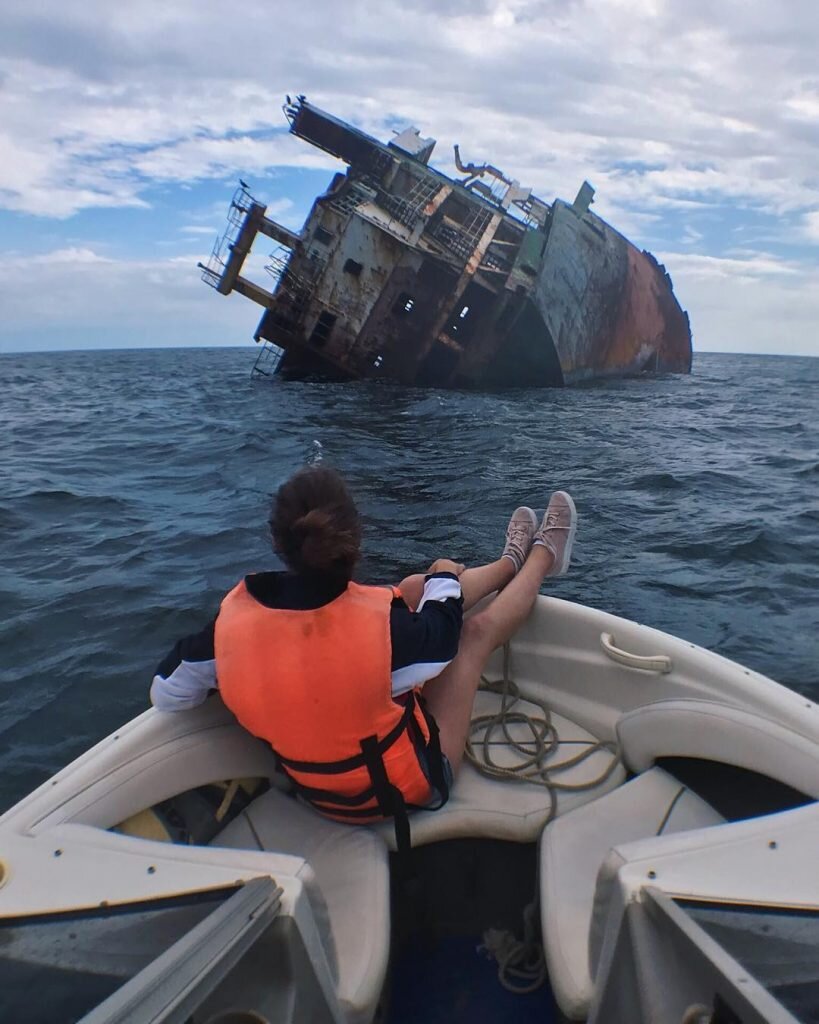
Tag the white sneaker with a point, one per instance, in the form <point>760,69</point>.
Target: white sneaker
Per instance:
<point>519,536</point>
<point>556,532</point>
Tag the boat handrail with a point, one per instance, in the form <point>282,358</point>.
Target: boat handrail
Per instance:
<point>660,663</point>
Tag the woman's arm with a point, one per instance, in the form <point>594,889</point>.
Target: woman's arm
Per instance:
<point>187,674</point>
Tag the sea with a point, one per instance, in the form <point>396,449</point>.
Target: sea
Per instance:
<point>135,488</point>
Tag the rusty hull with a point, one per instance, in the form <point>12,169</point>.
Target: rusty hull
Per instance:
<point>401,272</point>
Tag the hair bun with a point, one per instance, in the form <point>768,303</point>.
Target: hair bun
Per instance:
<point>318,539</point>
<point>315,524</point>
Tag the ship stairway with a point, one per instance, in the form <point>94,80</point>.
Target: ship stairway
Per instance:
<point>267,361</point>
<point>241,204</point>
<point>293,291</point>
<point>406,209</point>
<point>461,239</point>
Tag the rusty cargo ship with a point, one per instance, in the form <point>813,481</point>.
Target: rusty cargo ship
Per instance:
<point>402,272</point>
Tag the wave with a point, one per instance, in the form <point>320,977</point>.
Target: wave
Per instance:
<point>62,498</point>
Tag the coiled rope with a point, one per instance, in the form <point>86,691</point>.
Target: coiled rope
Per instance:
<point>521,964</point>
<point>535,750</point>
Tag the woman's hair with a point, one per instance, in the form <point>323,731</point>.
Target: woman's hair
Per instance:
<point>314,524</point>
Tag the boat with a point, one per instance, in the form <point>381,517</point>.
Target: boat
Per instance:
<point>667,859</point>
<point>401,272</point>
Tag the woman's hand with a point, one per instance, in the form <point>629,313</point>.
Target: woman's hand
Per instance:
<point>446,565</point>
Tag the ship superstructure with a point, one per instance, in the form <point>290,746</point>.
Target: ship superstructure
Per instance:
<point>405,273</point>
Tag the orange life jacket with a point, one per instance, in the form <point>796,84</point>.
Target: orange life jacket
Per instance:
<point>316,685</point>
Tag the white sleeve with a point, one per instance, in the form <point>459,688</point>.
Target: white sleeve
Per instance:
<point>186,687</point>
<point>439,588</point>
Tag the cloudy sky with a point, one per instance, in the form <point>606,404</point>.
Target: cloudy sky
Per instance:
<point>124,128</point>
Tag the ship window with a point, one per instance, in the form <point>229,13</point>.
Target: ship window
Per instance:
<point>323,328</point>
<point>458,321</point>
<point>322,235</point>
<point>353,267</point>
<point>378,361</point>
<point>474,308</point>
<point>404,304</point>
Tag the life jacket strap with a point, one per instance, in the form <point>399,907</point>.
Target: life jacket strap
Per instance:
<point>435,757</point>
<point>349,764</point>
<point>389,799</point>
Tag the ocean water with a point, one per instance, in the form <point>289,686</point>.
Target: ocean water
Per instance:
<point>134,490</point>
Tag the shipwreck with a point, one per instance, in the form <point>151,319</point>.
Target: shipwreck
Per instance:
<point>402,272</point>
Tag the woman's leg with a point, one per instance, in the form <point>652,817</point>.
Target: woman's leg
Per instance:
<point>450,695</point>
<point>476,583</point>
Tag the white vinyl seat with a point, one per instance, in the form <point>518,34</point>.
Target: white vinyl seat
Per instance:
<point>499,809</point>
<point>573,850</point>
<point>352,873</point>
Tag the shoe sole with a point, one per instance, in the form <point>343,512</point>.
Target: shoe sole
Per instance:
<point>562,569</point>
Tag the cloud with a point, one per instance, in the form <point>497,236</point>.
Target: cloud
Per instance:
<point>751,304</point>
<point>115,302</point>
<point>689,117</point>
<point>102,105</point>
<point>810,225</point>
<point>61,257</point>
<point>743,268</point>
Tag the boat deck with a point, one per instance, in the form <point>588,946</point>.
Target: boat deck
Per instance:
<point>438,971</point>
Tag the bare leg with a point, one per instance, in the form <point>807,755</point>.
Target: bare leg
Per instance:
<point>476,583</point>
<point>451,694</point>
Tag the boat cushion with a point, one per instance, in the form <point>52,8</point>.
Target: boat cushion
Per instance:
<point>352,872</point>
<point>718,732</point>
<point>512,810</point>
<point>572,850</point>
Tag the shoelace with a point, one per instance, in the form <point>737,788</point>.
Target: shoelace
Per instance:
<point>517,534</point>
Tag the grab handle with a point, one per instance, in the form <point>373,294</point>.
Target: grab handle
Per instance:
<point>656,663</point>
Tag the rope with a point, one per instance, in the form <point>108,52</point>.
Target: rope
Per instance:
<point>535,750</point>
<point>521,963</point>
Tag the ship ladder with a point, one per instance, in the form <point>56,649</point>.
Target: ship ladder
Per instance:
<point>267,361</point>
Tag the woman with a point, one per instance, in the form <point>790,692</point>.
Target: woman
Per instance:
<point>364,693</point>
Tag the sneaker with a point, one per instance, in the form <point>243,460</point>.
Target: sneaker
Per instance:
<point>519,536</point>
<point>556,532</point>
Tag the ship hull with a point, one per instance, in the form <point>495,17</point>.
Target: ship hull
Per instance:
<point>403,273</point>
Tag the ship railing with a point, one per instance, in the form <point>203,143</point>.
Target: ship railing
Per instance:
<point>293,291</point>
<point>406,209</point>
<point>268,360</point>
<point>292,108</point>
<point>240,205</point>
<point>350,198</point>
<point>283,276</point>
<point>461,239</point>
<point>277,267</point>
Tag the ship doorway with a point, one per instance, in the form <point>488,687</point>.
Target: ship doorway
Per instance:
<point>323,328</point>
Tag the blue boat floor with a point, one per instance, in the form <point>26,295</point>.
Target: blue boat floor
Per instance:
<point>448,980</point>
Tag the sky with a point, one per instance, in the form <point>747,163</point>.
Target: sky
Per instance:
<point>125,128</point>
